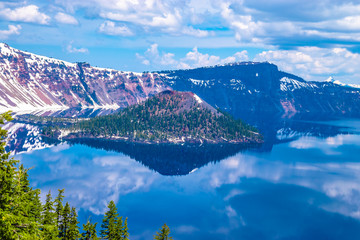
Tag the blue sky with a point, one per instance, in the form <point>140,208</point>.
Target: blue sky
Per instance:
<point>313,39</point>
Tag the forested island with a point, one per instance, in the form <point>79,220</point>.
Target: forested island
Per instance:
<point>169,117</point>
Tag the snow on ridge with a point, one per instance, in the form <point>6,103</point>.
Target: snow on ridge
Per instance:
<point>8,51</point>
<point>337,82</point>
<point>36,82</point>
<point>289,84</point>
<point>199,82</point>
<point>198,99</point>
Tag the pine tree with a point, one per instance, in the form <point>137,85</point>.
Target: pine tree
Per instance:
<point>89,231</point>
<point>163,234</point>
<point>73,232</point>
<point>7,172</point>
<point>19,204</point>
<point>108,226</point>
<point>48,211</point>
<point>59,206</point>
<point>119,228</point>
<point>125,231</point>
<point>65,222</point>
<point>50,230</point>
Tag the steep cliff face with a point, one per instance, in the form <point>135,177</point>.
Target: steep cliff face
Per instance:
<point>245,87</point>
<point>320,97</point>
<point>29,81</point>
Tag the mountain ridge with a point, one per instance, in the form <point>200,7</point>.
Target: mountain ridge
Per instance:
<point>29,81</point>
<point>261,87</point>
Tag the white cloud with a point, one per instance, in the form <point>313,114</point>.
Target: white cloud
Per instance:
<point>243,24</point>
<point>196,59</point>
<point>175,17</point>
<point>153,57</point>
<point>13,30</point>
<point>260,23</point>
<point>71,49</point>
<point>65,18</point>
<point>314,63</point>
<point>110,28</point>
<point>196,32</point>
<point>192,59</point>
<point>311,63</point>
<point>28,13</point>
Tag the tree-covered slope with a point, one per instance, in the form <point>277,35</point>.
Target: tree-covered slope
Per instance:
<point>171,117</point>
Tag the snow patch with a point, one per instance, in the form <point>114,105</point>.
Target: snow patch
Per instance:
<point>288,84</point>
<point>198,99</point>
<point>337,82</point>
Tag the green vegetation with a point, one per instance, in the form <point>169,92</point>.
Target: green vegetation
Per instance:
<point>23,216</point>
<point>163,234</point>
<point>167,117</point>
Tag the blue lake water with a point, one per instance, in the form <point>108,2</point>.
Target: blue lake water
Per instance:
<point>304,183</point>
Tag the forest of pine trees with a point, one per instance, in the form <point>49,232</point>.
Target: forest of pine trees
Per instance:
<point>23,216</point>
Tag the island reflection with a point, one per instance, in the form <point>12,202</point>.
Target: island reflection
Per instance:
<point>169,159</point>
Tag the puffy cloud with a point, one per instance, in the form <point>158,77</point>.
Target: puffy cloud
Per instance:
<point>153,57</point>
<point>13,30</point>
<point>196,32</point>
<point>65,18</point>
<point>292,23</point>
<point>110,28</point>
<point>196,59</point>
<point>192,59</point>
<point>71,49</point>
<point>314,63</point>
<point>152,16</point>
<point>28,13</point>
<point>244,25</point>
<point>260,23</point>
<point>311,63</point>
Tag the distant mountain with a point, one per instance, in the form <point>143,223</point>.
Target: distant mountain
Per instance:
<point>169,117</point>
<point>32,82</point>
<point>245,87</point>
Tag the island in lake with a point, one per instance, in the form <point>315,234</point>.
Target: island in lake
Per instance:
<point>169,117</point>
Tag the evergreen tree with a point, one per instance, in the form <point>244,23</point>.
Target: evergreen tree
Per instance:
<point>119,228</point>
<point>50,230</point>
<point>48,211</point>
<point>7,172</point>
<point>108,226</point>
<point>65,222</point>
<point>73,232</point>
<point>59,206</point>
<point>163,234</point>
<point>89,231</point>
<point>125,231</point>
<point>19,204</point>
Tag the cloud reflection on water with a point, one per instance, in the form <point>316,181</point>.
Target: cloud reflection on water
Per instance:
<point>250,195</point>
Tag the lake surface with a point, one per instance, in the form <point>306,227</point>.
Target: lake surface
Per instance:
<point>303,183</point>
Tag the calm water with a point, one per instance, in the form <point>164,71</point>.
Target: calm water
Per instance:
<point>303,183</point>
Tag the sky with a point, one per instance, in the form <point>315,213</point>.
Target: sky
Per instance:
<point>312,39</point>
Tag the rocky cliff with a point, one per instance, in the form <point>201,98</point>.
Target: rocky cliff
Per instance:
<point>29,81</point>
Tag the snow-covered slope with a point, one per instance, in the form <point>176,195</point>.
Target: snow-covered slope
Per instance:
<point>33,82</point>
<point>337,82</point>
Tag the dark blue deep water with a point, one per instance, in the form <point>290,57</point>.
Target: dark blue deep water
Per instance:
<point>303,183</point>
